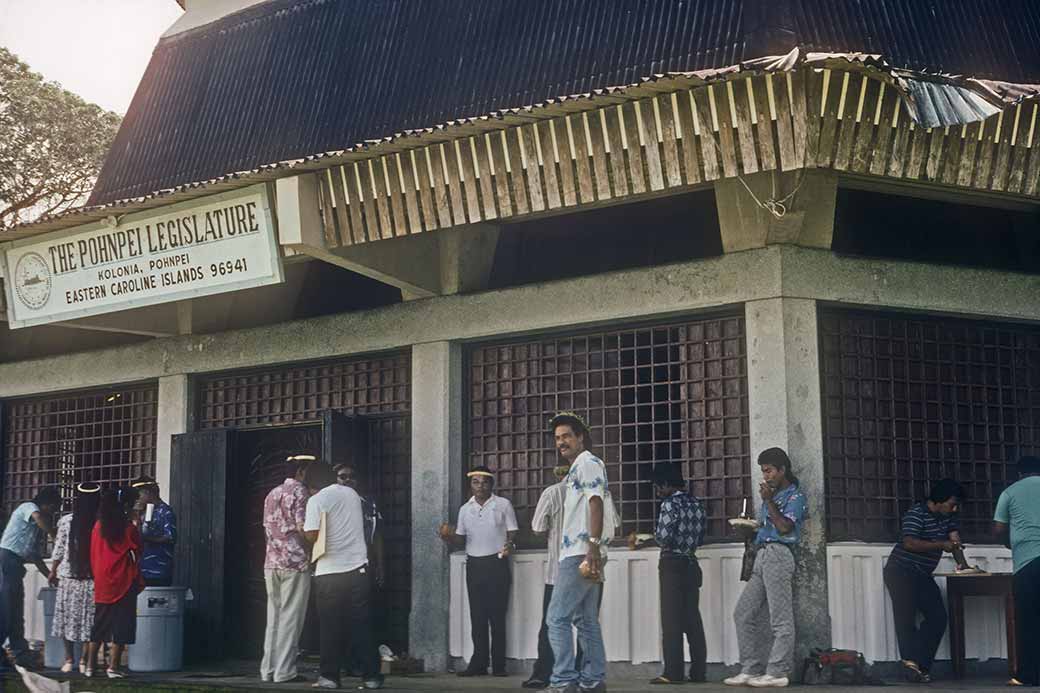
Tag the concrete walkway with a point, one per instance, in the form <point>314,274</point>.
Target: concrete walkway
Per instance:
<point>228,681</point>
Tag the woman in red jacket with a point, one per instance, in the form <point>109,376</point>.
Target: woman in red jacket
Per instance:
<point>115,547</point>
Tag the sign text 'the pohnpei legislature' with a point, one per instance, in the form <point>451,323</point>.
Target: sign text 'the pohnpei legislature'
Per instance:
<point>222,243</point>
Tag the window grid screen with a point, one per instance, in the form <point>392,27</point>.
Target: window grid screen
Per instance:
<point>910,400</point>
<point>106,436</point>
<point>669,393</point>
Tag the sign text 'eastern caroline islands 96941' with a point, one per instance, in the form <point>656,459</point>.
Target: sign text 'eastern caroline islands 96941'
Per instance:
<point>189,250</point>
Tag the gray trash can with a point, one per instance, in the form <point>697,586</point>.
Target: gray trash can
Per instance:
<point>160,630</point>
<point>53,648</point>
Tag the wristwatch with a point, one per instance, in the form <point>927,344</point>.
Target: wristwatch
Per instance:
<point>596,541</point>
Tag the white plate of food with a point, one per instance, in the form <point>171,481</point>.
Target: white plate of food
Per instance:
<point>743,523</point>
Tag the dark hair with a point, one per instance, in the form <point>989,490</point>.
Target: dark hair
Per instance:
<point>48,495</point>
<point>945,489</point>
<point>113,512</point>
<point>1029,465</point>
<point>84,515</point>
<point>294,466</point>
<point>319,475</point>
<point>776,457</point>
<point>576,423</point>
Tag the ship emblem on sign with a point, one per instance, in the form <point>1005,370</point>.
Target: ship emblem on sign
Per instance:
<point>32,281</point>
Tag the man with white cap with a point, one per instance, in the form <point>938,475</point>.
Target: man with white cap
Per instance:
<point>487,526</point>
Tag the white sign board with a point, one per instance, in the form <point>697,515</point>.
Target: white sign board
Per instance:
<point>217,244</point>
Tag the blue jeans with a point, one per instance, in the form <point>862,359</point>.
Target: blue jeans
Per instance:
<point>575,600</point>
<point>12,603</point>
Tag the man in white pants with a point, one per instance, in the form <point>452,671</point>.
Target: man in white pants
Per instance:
<point>286,572</point>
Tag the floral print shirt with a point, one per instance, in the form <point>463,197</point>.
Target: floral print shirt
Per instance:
<point>285,510</point>
<point>586,479</point>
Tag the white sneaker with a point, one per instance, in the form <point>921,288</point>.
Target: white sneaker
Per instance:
<point>738,680</point>
<point>767,681</point>
<point>323,682</point>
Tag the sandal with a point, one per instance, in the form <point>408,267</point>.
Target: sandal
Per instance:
<point>66,666</point>
<point>1014,682</point>
<point>662,680</point>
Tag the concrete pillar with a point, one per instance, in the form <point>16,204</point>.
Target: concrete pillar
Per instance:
<point>785,411</point>
<point>436,492</point>
<point>174,412</point>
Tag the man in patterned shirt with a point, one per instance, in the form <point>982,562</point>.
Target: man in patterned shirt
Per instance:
<point>587,524</point>
<point>159,533</point>
<point>287,573</point>
<point>680,530</point>
<point>764,614</point>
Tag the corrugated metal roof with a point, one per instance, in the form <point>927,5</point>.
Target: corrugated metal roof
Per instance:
<point>991,39</point>
<point>290,79</point>
<point>977,99</point>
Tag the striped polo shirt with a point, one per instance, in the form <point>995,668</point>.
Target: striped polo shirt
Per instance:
<point>919,523</point>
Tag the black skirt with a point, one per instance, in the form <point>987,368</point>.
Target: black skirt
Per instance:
<point>116,623</point>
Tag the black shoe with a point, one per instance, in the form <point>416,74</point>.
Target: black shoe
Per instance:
<point>499,673</point>
<point>700,678</point>
<point>471,672</point>
<point>537,684</point>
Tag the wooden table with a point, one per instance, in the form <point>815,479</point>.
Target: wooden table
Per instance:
<point>978,585</point>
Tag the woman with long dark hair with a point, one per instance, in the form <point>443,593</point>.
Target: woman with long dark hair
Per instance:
<point>115,546</point>
<point>74,609</point>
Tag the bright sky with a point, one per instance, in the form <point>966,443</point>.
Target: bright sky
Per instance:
<point>95,48</point>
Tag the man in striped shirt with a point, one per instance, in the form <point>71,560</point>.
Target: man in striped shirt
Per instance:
<point>929,528</point>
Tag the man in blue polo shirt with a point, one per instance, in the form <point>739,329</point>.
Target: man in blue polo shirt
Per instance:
<point>1018,510</point>
<point>24,541</point>
<point>928,529</point>
<point>764,614</point>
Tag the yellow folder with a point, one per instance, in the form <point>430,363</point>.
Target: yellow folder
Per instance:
<point>319,544</point>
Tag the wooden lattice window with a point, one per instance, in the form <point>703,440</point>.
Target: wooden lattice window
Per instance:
<point>667,393</point>
<point>909,400</point>
<point>107,436</point>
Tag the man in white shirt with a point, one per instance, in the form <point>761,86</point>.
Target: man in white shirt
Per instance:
<point>341,579</point>
<point>487,526</point>
<point>575,599</point>
<point>548,519</point>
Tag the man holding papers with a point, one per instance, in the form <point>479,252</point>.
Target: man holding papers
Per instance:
<point>341,578</point>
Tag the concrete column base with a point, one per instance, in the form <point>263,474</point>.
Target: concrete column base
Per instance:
<point>436,490</point>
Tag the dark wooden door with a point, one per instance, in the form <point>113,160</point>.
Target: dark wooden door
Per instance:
<point>198,492</point>
<point>259,466</point>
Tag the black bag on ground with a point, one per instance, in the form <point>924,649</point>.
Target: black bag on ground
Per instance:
<point>842,667</point>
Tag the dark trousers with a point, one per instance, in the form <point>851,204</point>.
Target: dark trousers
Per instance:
<point>487,583</point>
<point>346,623</point>
<point>912,593</point>
<point>1027,622</point>
<point>12,602</point>
<point>680,580</point>
<point>543,666</point>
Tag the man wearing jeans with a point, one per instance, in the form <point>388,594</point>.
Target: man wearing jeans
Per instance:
<point>24,541</point>
<point>287,572</point>
<point>575,598</point>
<point>341,579</point>
<point>764,614</point>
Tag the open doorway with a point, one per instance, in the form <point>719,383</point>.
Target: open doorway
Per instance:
<point>258,464</point>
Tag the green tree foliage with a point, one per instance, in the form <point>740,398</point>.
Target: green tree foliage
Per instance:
<point>52,144</point>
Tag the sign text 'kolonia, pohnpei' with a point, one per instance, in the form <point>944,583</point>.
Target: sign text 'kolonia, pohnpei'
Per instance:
<point>223,243</point>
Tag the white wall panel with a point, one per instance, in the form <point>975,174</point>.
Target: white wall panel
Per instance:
<point>631,616</point>
<point>861,610</point>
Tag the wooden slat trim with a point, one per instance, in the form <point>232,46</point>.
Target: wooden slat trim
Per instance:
<point>668,141</point>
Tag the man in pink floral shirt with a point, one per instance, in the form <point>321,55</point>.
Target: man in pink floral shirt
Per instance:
<point>286,572</point>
